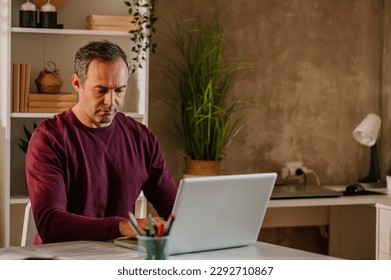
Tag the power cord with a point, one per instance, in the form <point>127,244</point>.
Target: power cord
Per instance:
<point>305,172</point>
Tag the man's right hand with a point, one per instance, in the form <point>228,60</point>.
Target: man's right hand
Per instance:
<point>126,228</point>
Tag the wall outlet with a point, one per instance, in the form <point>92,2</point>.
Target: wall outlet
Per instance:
<point>291,168</point>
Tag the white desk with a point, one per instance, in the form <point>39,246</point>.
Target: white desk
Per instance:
<point>351,220</point>
<point>93,250</point>
<point>342,200</point>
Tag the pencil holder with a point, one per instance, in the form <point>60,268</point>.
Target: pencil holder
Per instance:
<point>152,247</point>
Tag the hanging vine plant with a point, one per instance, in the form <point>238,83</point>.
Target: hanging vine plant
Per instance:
<point>144,17</point>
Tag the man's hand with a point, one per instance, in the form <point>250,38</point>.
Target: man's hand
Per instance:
<point>126,228</point>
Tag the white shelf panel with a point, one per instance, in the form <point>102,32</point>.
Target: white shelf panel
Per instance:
<point>136,116</point>
<point>19,199</point>
<point>55,31</point>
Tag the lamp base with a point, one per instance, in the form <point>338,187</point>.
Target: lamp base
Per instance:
<point>371,185</point>
<point>373,179</point>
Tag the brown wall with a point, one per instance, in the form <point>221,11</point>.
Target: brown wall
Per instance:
<point>317,71</point>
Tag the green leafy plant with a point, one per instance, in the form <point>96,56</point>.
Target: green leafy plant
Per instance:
<point>144,17</point>
<point>203,79</point>
<point>24,143</point>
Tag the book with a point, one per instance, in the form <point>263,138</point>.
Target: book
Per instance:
<point>110,23</point>
<point>15,87</point>
<point>56,97</point>
<point>110,27</point>
<point>26,86</point>
<point>51,104</point>
<point>107,20</point>
<point>22,86</point>
<point>115,23</point>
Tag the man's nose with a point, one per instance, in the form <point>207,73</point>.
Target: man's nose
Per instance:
<point>109,98</point>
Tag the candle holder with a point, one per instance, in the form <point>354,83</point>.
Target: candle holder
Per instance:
<point>48,19</point>
<point>48,16</point>
<point>28,15</point>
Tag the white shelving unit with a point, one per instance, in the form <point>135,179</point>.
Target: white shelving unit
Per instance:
<point>37,46</point>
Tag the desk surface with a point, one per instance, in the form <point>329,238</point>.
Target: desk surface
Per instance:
<point>260,250</point>
<point>334,201</point>
<point>93,250</point>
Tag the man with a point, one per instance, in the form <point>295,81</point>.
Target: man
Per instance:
<point>86,166</point>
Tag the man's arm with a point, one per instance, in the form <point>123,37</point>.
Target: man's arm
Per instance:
<point>160,189</point>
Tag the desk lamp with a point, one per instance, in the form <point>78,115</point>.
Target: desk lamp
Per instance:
<point>367,133</point>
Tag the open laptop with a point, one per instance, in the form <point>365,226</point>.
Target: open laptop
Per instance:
<point>302,191</point>
<point>216,212</point>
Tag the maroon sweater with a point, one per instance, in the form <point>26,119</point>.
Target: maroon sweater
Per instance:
<point>82,181</point>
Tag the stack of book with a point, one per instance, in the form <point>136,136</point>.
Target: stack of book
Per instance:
<point>24,101</point>
<point>51,102</point>
<point>116,23</point>
<point>20,86</point>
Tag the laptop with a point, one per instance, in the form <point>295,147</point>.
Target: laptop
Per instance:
<point>302,191</point>
<point>217,212</point>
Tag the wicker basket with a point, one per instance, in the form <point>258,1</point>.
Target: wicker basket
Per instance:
<point>203,167</point>
<point>49,80</point>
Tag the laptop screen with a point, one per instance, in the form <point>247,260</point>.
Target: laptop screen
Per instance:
<point>218,212</point>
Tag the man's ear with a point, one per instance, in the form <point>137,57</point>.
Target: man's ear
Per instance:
<point>76,82</point>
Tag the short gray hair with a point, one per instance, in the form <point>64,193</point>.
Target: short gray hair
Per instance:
<point>104,51</point>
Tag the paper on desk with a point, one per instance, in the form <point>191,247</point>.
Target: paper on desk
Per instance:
<point>16,253</point>
<point>88,251</point>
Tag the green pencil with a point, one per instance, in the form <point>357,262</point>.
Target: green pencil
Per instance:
<point>133,221</point>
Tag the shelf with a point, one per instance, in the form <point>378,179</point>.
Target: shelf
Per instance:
<point>136,116</point>
<point>19,199</point>
<point>55,31</point>
<point>36,46</point>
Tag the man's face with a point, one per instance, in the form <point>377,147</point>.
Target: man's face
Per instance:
<point>102,94</point>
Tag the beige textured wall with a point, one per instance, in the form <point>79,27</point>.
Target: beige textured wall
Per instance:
<point>317,71</point>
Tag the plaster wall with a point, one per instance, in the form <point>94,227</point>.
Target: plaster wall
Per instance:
<point>317,71</point>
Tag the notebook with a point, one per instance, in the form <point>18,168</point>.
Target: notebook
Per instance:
<point>300,191</point>
<point>217,212</point>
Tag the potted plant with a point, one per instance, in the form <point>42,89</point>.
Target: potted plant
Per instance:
<point>202,81</point>
<point>24,143</point>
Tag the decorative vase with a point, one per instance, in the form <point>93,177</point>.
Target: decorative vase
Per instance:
<point>203,167</point>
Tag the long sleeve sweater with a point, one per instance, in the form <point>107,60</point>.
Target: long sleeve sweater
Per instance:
<point>82,181</point>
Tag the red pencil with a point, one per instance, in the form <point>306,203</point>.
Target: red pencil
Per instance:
<point>160,230</point>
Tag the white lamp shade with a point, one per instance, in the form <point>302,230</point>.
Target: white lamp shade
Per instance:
<point>366,133</point>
